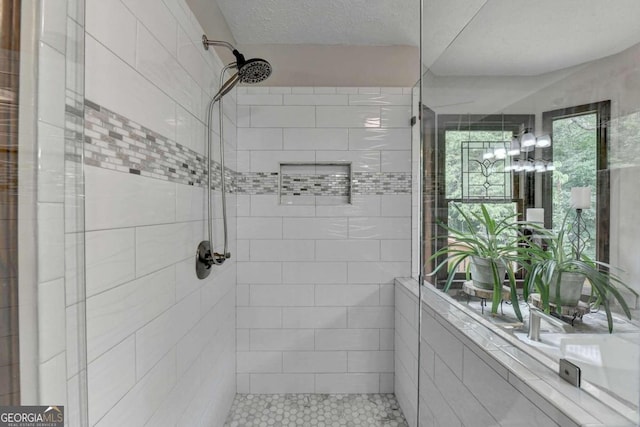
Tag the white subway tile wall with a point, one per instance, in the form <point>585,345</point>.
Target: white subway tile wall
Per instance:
<point>315,280</point>
<point>161,343</point>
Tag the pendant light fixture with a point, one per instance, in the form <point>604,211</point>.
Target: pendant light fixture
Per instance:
<point>527,141</point>
<point>514,147</point>
<point>543,141</point>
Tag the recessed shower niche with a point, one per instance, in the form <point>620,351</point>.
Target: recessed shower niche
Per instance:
<point>321,183</point>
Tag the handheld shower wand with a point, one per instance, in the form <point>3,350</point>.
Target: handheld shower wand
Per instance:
<point>249,71</point>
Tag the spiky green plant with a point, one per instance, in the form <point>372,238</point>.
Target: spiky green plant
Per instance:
<point>547,266</point>
<point>498,241</point>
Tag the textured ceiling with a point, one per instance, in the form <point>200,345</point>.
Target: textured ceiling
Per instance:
<point>325,22</point>
<point>462,37</point>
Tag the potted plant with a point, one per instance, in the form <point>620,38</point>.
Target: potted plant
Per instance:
<point>559,273</point>
<point>493,249</point>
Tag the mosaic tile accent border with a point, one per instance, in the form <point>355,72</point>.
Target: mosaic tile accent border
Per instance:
<point>364,183</point>
<point>114,142</point>
<point>381,183</point>
<point>257,183</point>
<point>321,410</point>
<point>315,185</point>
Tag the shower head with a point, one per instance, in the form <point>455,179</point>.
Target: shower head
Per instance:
<point>251,71</point>
<point>254,71</point>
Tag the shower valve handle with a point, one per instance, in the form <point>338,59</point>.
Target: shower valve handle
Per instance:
<point>222,257</point>
<point>206,257</point>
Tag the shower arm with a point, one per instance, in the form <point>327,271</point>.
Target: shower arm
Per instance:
<point>215,257</point>
<point>206,43</point>
<point>240,60</point>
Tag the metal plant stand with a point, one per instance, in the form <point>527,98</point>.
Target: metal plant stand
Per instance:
<point>470,290</point>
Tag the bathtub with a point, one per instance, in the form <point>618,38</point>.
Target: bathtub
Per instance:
<point>607,361</point>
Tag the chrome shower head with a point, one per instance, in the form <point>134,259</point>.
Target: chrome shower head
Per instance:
<point>250,71</point>
<point>254,70</point>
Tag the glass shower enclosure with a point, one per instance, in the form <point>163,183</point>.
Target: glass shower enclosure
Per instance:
<point>42,350</point>
<point>516,120</point>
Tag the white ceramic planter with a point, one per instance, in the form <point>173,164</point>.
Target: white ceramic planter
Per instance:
<point>482,273</point>
<point>570,288</point>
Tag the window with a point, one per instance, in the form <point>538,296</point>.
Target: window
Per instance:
<point>462,174</point>
<point>580,154</point>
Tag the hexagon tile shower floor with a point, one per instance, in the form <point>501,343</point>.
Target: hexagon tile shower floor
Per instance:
<point>321,410</point>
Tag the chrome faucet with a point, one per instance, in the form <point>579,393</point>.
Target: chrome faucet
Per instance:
<point>535,315</point>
